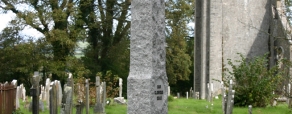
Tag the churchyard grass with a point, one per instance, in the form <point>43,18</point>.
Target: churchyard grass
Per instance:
<point>188,106</point>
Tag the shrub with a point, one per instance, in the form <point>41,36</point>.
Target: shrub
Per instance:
<point>254,82</point>
<point>170,98</point>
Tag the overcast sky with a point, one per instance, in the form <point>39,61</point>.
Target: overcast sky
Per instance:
<point>5,18</point>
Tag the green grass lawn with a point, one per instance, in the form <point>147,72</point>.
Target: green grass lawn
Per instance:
<point>189,106</point>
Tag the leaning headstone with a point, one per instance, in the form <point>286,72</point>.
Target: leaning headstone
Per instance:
<point>53,98</point>
<point>147,80</point>
<point>35,92</point>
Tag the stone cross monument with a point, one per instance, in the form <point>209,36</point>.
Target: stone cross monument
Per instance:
<point>147,81</point>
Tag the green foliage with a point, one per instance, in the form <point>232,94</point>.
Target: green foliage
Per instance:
<point>178,62</point>
<point>170,98</point>
<point>254,82</point>
<point>18,111</point>
<point>112,83</point>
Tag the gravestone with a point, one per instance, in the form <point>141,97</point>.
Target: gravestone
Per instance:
<point>59,92</point>
<point>17,97</point>
<point>147,80</point>
<point>87,95</point>
<point>47,89</point>
<point>120,99</point>
<point>67,100</point>
<point>35,92</point>
<point>14,82</point>
<point>249,109</point>
<point>187,95</point>
<point>20,92</point>
<point>79,107</point>
<point>223,97</point>
<point>230,99</point>
<point>53,98</point>
<point>99,106</point>
<point>168,91</point>
<point>41,106</point>
<point>24,94</point>
<point>121,87</point>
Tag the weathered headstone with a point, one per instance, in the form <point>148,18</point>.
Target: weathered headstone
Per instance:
<point>59,92</point>
<point>66,107</point>
<point>168,91</point>
<point>223,97</point>
<point>98,106</point>
<point>47,89</point>
<point>121,87</point>
<point>24,94</point>
<point>35,92</point>
<point>87,96</point>
<point>120,99</point>
<point>187,95</point>
<point>67,101</point>
<point>197,95</point>
<point>53,98</point>
<point>79,108</point>
<point>230,99</point>
<point>178,95</point>
<point>147,80</point>
<point>41,106</point>
<point>14,82</point>
<point>17,97</point>
<point>249,109</point>
<point>20,91</point>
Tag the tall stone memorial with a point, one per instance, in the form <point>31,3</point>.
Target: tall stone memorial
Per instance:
<point>147,81</point>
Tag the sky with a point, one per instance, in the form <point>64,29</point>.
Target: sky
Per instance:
<point>28,31</point>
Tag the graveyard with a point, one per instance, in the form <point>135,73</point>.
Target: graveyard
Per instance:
<point>138,57</point>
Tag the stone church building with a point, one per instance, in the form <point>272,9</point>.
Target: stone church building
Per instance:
<point>227,27</point>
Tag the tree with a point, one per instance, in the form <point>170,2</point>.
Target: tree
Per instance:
<point>54,19</point>
<point>107,23</point>
<point>19,57</point>
<point>178,62</point>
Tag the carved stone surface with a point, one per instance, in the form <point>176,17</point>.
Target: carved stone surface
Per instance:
<point>147,81</point>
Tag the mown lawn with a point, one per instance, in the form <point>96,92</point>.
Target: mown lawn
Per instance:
<point>189,106</point>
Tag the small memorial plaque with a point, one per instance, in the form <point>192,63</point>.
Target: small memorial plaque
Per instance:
<point>159,91</point>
